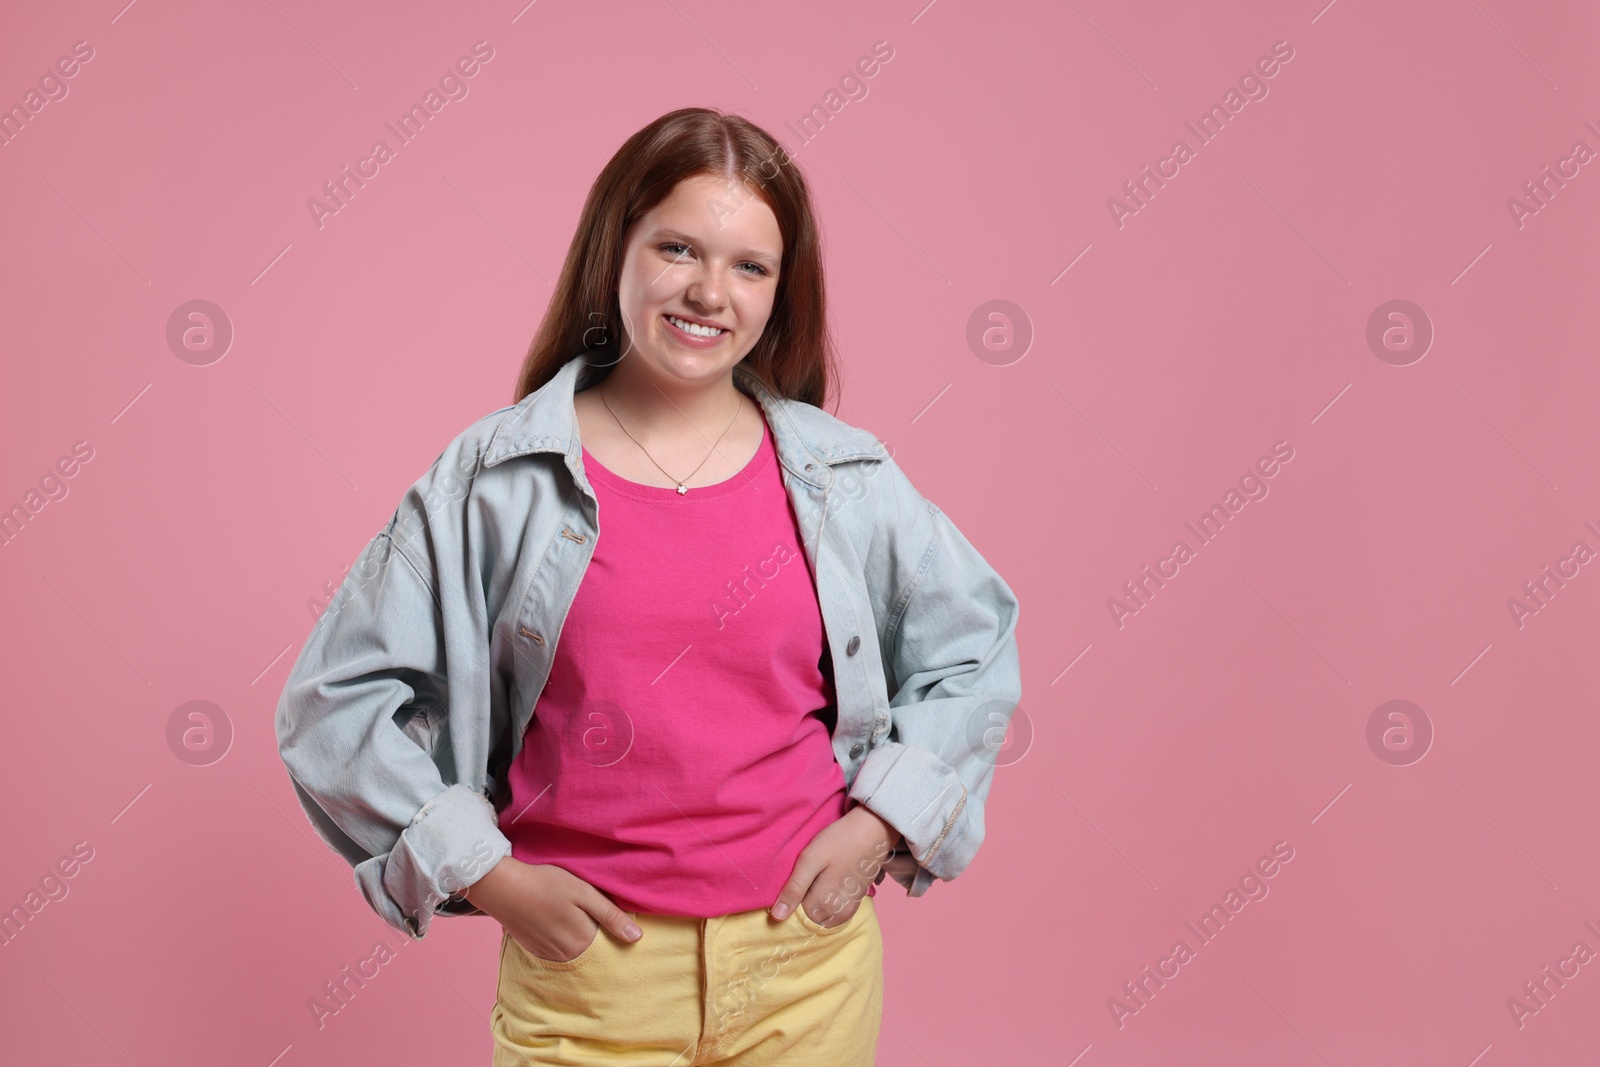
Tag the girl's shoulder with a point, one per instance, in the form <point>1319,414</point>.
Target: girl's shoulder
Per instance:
<point>830,436</point>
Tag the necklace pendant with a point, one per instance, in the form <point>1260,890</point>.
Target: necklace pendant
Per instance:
<point>682,491</point>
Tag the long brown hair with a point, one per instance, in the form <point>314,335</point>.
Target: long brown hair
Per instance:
<point>795,356</point>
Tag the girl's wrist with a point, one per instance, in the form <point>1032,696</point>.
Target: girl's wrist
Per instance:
<point>892,838</point>
<point>478,893</point>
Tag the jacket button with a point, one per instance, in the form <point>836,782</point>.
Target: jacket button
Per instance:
<point>850,649</point>
<point>856,750</point>
<point>811,466</point>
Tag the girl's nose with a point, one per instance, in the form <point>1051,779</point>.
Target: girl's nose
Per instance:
<point>707,292</point>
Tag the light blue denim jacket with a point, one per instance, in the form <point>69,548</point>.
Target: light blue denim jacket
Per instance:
<point>409,700</point>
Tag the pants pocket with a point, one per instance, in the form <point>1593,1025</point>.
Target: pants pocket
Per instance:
<point>540,963</point>
<point>828,931</point>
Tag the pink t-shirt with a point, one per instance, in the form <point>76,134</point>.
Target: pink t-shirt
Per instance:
<point>677,758</point>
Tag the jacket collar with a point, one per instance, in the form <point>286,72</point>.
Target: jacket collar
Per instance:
<point>807,439</point>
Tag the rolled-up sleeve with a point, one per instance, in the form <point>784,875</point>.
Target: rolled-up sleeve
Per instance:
<point>951,646</point>
<point>376,657</point>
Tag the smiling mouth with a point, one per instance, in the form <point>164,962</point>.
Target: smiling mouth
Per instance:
<point>694,329</point>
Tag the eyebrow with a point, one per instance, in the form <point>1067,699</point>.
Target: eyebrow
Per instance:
<point>765,257</point>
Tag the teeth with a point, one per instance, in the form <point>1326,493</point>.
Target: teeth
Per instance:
<point>693,328</point>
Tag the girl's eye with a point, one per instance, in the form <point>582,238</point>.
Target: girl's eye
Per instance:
<point>668,248</point>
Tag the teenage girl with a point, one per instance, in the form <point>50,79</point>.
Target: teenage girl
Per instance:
<point>690,874</point>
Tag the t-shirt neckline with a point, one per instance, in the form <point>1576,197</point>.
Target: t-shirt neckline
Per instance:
<point>753,469</point>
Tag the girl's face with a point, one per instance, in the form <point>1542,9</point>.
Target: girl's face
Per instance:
<point>708,254</point>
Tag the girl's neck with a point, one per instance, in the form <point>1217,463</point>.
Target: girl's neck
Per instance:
<point>649,406</point>
<point>630,431</point>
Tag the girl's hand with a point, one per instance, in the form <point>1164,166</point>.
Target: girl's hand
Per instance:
<point>833,872</point>
<point>548,910</point>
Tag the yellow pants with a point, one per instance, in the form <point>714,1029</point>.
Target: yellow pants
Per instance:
<point>738,990</point>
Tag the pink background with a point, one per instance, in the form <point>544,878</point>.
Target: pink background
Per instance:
<point>1167,754</point>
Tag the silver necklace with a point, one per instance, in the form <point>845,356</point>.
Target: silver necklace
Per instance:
<point>682,490</point>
